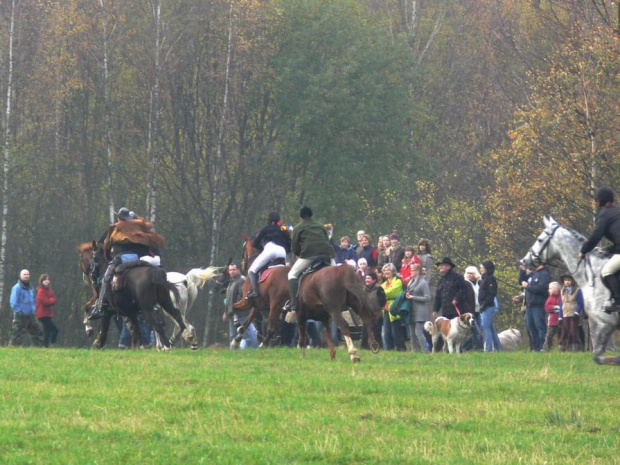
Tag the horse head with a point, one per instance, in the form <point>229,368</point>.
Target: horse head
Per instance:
<point>539,252</point>
<point>249,252</point>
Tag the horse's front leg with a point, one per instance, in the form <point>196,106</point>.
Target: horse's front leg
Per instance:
<point>344,329</point>
<point>600,334</point>
<point>369,324</point>
<point>104,326</point>
<point>243,328</point>
<point>303,335</point>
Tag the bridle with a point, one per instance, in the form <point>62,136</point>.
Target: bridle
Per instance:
<point>537,256</point>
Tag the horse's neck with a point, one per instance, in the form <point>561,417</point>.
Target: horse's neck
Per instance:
<point>568,246</point>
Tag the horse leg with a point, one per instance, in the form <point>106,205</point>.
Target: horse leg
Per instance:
<point>303,335</point>
<point>344,329</point>
<point>104,326</point>
<point>243,328</point>
<point>187,331</point>
<point>328,339</point>
<point>372,342</point>
<point>603,333</point>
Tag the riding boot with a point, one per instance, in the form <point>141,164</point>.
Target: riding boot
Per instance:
<point>293,286</point>
<point>254,294</point>
<point>613,284</point>
<point>96,311</point>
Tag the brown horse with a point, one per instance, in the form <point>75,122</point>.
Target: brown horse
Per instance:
<point>86,258</point>
<point>273,295</point>
<point>324,294</point>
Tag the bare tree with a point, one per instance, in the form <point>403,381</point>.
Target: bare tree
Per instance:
<point>7,153</point>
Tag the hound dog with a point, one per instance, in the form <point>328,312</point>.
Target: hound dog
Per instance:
<point>454,332</point>
<point>510,339</point>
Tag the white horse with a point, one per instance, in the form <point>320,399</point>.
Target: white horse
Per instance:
<point>188,285</point>
<point>562,243</point>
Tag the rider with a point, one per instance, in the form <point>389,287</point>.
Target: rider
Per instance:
<point>607,225</point>
<point>309,241</point>
<point>274,242</point>
<point>129,239</point>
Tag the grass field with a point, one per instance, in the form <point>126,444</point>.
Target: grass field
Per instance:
<point>70,406</point>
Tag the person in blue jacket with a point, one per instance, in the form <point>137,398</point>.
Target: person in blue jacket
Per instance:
<point>23,304</point>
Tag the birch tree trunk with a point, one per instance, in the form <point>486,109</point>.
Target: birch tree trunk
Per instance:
<point>212,319</point>
<point>105,20</point>
<point>7,155</point>
<point>154,119</point>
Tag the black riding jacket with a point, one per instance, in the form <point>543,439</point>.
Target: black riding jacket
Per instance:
<point>607,225</point>
<point>272,233</point>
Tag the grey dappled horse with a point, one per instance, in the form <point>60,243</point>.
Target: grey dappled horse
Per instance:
<point>558,242</point>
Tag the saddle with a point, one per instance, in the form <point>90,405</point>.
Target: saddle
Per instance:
<point>320,261</point>
<point>264,272</point>
<point>118,281</point>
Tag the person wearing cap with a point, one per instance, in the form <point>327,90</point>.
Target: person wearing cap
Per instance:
<point>571,309</point>
<point>130,238</point>
<point>451,292</point>
<point>309,241</point>
<point>607,225</point>
<point>273,242</point>
<point>397,251</point>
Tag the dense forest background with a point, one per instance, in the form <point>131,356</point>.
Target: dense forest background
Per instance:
<point>462,121</point>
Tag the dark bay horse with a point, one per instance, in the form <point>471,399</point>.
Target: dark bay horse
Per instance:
<point>145,287</point>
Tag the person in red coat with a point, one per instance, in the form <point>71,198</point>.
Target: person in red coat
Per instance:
<point>46,299</point>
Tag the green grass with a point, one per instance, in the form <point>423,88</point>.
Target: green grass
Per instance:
<point>69,406</point>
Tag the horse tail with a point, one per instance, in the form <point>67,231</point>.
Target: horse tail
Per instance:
<point>357,297</point>
<point>199,276</point>
<point>159,278</point>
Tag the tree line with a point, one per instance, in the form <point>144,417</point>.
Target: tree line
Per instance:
<point>463,121</point>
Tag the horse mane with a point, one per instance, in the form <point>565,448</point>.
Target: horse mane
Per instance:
<point>597,251</point>
<point>85,247</point>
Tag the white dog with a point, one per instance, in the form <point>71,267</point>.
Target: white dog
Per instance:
<point>454,332</point>
<point>510,339</point>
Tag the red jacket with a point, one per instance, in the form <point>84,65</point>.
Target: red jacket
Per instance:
<point>552,302</point>
<point>45,300</point>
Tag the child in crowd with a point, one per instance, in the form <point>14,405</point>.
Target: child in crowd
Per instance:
<point>552,307</point>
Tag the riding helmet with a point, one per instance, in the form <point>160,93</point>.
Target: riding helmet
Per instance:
<point>305,212</point>
<point>273,217</point>
<point>123,214</point>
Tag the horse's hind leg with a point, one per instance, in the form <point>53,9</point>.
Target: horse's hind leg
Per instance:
<point>328,339</point>
<point>104,326</point>
<point>243,328</point>
<point>187,331</point>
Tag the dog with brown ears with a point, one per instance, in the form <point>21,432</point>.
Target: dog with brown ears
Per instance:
<point>454,332</point>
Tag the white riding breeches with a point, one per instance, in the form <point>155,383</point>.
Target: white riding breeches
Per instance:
<point>302,264</point>
<point>271,251</point>
<point>612,266</point>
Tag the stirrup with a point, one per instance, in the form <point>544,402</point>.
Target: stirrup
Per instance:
<point>252,295</point>
<point>612,306</point>
<point>287,306</point>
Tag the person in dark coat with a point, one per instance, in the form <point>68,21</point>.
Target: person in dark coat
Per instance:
<point>451,290</point>
<point>607,225</point>
<point>536,292</point>
<point>487,297</point>
<point>274,242</point>
<point>310,240</point>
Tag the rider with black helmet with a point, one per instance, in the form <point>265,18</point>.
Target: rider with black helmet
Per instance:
<point>607,225</point>
<point>274,242</point>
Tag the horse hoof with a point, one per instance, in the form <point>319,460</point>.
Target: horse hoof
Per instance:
<point>89,332</point>
<point>240,331</point>
<point>375,348</point>
<point>194,347</point>
<point>355,359</point>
